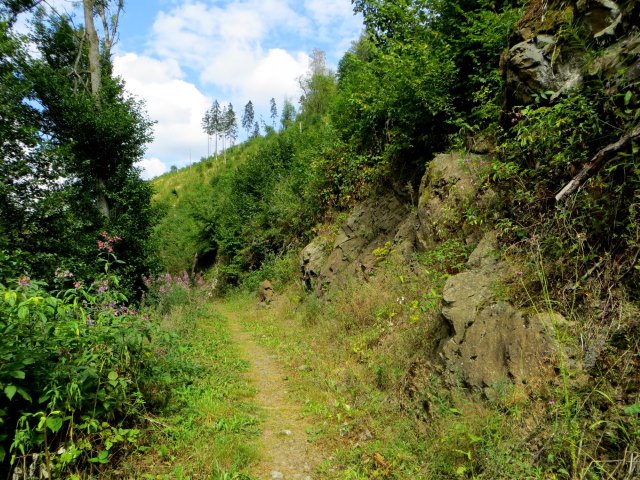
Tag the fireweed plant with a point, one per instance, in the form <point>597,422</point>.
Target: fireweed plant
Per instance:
<point>74,366</point>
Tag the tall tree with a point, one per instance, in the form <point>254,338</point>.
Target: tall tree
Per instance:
<point>229,126</point>
<point>87,134</point>
<point>248,117</point>
<point>274,112</point>
<point>96,57</point>
<point>288,113</point>
<point>318,88</point>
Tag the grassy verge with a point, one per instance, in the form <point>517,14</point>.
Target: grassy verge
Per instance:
<point>363,364</point>
<point>209,427</point>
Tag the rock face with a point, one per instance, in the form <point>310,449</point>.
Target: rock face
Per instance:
<point>448,188</point>
<point>486,340</point>
<point>532,68</point>
<point>491,341</point>
<point>544,56</point>
<point>371,225</point>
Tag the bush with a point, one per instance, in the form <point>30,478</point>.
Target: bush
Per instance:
<point>70,369</point>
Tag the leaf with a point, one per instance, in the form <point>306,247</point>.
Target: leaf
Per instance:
<point>10,391</point>
<point>632,409</point>
<point>23,393</point>
<point>2,453</point>
<point>113,376</point>
<point>103,457</point>
<point>19,374</point>
<point>627,97</point>
<point>23,312</point>
<point>54,423</point>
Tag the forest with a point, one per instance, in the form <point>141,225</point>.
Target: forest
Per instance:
<point>424,267</point>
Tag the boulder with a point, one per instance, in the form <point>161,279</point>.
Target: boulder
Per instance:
<point>371,225</point>
<point>265,292</point>
<point>312,260</point>
<point>489,339</point>
<point>602,17</point>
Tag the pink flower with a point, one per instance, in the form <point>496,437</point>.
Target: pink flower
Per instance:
<point>77,285</point>
<point>24,281</point>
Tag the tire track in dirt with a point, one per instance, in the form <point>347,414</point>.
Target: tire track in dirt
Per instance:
<point>287,452</point>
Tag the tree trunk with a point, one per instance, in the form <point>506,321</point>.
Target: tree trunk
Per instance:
<point>95,72</point>
<point>95,69</point>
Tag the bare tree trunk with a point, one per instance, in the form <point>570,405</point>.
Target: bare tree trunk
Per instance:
<point>95,72</point>
<point>95,69</point>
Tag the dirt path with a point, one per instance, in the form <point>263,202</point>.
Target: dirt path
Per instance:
<point>287,452</point>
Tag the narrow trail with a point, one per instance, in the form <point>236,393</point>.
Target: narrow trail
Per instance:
<point>287,451</point>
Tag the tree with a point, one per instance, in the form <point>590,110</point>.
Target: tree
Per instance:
<point>229,126</point>
<point>83,142</point>
<point>274,112</point>
<point>248,117</point>
<point>95,59</point>
<point>318,88</point>
<point>256,130</point>
<point>288,114</point>
<point>212,124</point>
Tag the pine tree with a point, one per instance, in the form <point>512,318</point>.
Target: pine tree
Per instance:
<point>248,117</point>
<point>274,112</point>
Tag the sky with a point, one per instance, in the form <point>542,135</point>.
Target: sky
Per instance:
<point>181,55</point>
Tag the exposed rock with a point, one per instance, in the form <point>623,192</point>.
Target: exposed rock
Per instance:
<point>265,291</point>
<point>621,59</point>
<point>312,260</point>
<point>490,340</point>
<point>602,17</point>
<point>448,188</point>
<point>371,224</point>
<point>531,68</point>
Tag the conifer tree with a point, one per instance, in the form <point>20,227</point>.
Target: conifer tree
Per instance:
<point>274,112</point>
<point>248,117</point>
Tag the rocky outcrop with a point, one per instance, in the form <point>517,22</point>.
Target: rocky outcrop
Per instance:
<point>544,55</point>
<point>449,187</point>
<point>370,226</point>
<point>490,340</point>
<point>531,68</point>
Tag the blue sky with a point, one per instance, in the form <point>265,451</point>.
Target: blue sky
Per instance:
<point>180,55</point>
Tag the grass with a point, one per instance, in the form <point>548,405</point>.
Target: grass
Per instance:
<point>210,427</point>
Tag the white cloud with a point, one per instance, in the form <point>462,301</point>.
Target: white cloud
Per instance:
<point>175,104</point>
<point>151,168</point>
<point>224,45</point>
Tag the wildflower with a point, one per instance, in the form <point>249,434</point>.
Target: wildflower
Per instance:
<point>103,286</point>
<point>24,281</point>
<point>90,322</point>
<point>77,285</point>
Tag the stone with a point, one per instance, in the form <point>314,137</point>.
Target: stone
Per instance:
<point>265,292</point>
<point>370,225</point>
<point>530,69</point>
<point>489,340</point>
<point>448,188</point>
<point>275,475</point>
<point>312,259</point>
<point>602,17</point>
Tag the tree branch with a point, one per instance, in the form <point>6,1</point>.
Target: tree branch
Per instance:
<point>596,163</point>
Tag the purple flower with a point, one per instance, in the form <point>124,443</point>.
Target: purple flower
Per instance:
<point>24,281</point>
<point>103,287</point>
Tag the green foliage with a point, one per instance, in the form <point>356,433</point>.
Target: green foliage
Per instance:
<point>81,148</point>
<point>70,371</point>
